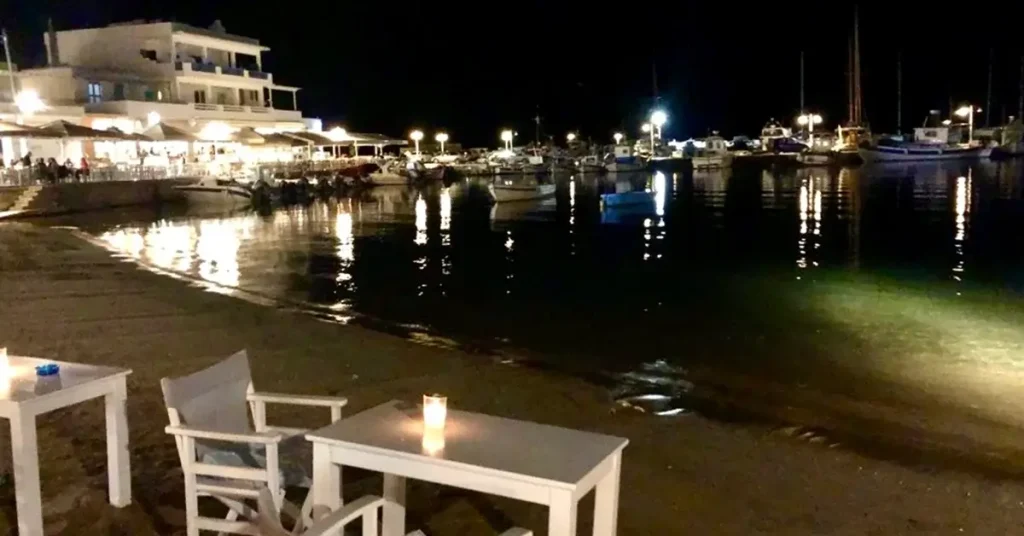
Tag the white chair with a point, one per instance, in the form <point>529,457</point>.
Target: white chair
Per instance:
<point>220,449</point>
<point>365,508</point>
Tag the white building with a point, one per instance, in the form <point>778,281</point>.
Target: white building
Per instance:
<point>133,74</point>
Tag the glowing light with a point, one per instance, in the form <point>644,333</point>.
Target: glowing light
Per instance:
<point>416,135</point>
<point>152,118</point>
<point>28,102</point>
<point>215,131</point>
<point>618,137</point>
<point>421,221</point>
<point>5,364</point>
<point>570,137</point>
<point>646,127</point>
<point>659,193</point>
<point>446,209</point>
<point>441,137</point>
<point>338,134</point>
<point>506,135</point>
<point>435,411</point>
<point>963,111</point>
<point>947,122</point>
<point>659,118</point>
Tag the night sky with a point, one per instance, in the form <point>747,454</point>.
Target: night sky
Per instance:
<point>474,68</point>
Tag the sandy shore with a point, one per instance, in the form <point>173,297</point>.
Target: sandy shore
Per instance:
<point>67,299</point>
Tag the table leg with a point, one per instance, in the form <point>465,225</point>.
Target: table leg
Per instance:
<point>326,478</point>
<point>26,474</point>
<point>119,472</point>
<point>606,500</point>
<point>562,514</point>
<point>394,506</point>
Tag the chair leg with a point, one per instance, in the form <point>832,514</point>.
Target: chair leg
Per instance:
<point>191,506</point>
<point>370,523</point>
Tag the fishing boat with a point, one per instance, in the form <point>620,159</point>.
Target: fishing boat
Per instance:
<point>214,191</point>
<point>590,164</point>
<point>930,143</point>
<point>506,192</point>
<point>622,160</point>
<point>715,154</point>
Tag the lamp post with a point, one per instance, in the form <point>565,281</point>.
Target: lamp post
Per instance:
<point>658,119</point>
<point>618,137</point>
<point>808,121</point>
<point>441,138</point>
<point>416,136</point>
<point>506,136</point>
<point>968,112</point>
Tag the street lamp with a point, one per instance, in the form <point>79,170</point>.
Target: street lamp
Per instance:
<point>658,119</point>
<point>441,137</point>
<point>28,102</point>
<point>646,127</point>
<point>506,136</point>
<point>416,136</point>
<point>968,112</point>
<point>809,120</point>
<point>152,118</point>
<point>570,137</point>
<point>618,137</point>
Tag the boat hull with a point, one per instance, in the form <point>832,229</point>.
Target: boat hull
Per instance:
<point>207,196</point>
<point>509,194</point>
<point>711,161</point>
<point>910,154</point>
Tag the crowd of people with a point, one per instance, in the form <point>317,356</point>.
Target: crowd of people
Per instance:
<point>50,172</point>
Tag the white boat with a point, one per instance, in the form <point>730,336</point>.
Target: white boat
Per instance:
<point>623,160</point>
<point>506,193</point>
<point>214,191</point>
<point>809,158</point>
<point>386,175</point>
<point>773,133</point>
<point>715,154</point>
<point>590,164</point>
<point>930,143</point>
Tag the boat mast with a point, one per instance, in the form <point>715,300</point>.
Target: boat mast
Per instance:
<point>988,92</point>
<point>899,92</point>
<point>1020,92</point>
<point>849,81</point>
<point>801,82</point>
<point>858,110</point>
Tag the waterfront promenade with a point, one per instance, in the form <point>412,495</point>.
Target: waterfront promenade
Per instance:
<point>62,297</point>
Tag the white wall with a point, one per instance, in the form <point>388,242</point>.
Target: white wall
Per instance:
<point>54,85</point>
<point>117,47</point>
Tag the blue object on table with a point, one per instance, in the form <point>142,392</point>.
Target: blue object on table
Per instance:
<point>48,369</point>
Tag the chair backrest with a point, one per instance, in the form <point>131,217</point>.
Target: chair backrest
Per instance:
<point>213,398</point>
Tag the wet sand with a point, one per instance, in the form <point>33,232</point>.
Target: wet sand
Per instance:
<point>67,299</point>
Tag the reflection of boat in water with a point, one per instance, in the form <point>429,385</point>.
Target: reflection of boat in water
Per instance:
<point>808,158</point>
<point>506,193</point>
<point>538,209</point>
<point>626,199</point>
<point>214,191</point>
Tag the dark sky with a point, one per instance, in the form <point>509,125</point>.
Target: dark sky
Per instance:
<point>474,68</point>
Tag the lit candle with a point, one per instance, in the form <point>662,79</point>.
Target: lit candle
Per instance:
<point>435,409</point>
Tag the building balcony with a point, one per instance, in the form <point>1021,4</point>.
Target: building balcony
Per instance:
<point>189,68</point>
<point>185,111</point>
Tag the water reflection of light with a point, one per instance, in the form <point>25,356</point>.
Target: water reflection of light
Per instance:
<point>659,193</point>
<point>810,222</point>
<point>963,210</point>
<point>572,215</point>
<point>421,221</point>
<point>446,237</point>
<point>217,252</point>
<point>446,210</point>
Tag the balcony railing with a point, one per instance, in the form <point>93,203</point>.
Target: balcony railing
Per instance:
<point>212,68</point>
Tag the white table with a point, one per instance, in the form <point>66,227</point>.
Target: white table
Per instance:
<point>26,395</point>
<point>522,460</point>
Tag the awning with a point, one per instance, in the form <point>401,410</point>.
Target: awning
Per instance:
<point>165,132</point>
<point>128,137</point>
<point>283,140</point>
<point>13,130</point>
<point>312,138</point>
<point>66,129</point>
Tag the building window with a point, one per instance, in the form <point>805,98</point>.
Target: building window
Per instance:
<point>200,96</point>
<point>94,92</point>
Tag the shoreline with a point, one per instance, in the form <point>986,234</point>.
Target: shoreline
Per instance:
<point>69,299</point>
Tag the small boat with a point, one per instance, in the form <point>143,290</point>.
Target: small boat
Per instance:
<point>507,193</point>
<point>623,160</point>
<point>590,164</point>
<point>214,191</point>
<point>775,137</point>
<point>908,152</point>
<point>715,154</point>
<point>810,159</point>
<point>387,175</point>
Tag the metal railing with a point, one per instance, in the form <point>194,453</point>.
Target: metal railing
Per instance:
<point>36,175</point>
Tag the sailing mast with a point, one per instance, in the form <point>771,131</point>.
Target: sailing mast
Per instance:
<point>988,92</point>
<point>849,82</point>
<point>899,92</point>
<point>858,110</point>
<point>801,82</point>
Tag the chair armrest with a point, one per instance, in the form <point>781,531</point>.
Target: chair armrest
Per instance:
<point>264,438</point>
<point>299,400</point>
<point>365,507</point>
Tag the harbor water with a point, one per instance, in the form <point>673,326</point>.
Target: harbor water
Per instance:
<point>881,301</point>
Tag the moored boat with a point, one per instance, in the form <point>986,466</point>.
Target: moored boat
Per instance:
<point>506,193</point>
<point>214,191</point>
<point>715,154</point>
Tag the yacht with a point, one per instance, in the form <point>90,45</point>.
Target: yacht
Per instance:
<point>214,191</point>
<point>930,143</point>
<point>773,134</point>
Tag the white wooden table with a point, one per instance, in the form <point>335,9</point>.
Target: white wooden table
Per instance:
<point>522,460</point>
<point>27,395</point>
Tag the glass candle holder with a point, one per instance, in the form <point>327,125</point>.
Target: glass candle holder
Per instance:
<point>435,410</point>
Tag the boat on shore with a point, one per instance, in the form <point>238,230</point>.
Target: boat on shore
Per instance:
<point>211,191</point>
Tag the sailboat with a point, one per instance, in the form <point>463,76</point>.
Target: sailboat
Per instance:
<point>855,132</point>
